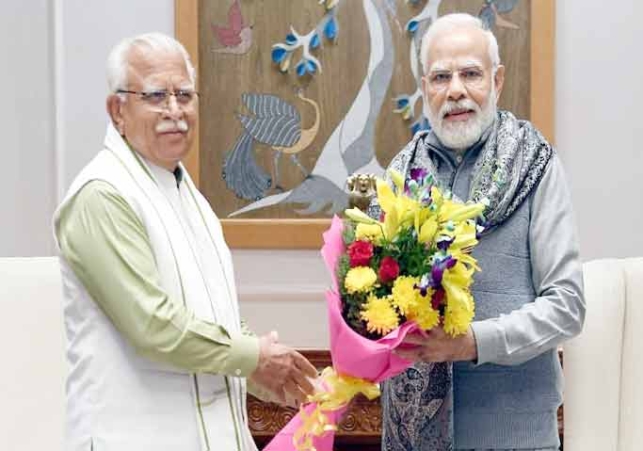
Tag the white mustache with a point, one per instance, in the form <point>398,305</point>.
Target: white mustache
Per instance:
<point>464,104</point>
<point>172,126</point>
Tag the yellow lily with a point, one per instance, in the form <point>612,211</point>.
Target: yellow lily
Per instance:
<point>398,180</point>
<point>391,222</point>
<point>436,197</point>
<point>465,236</point>
<point>408,208</point>
<point>400,209</point>
<point>465,258</point>
<point>359,216</point>
<point>456,212</point>
<point>421,215</point>
<point>385,196</point>
<point>428,230</point>
<point>460,275</point>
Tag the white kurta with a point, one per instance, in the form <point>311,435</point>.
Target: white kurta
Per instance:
<point>117,400</point>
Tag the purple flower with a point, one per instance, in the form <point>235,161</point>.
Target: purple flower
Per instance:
<point>444,243</point>
<point>437,271</point>
<point>436,275</point>
<point>418,174</point>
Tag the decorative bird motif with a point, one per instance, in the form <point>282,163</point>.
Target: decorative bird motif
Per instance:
<point>273,122</point>
<point>350,147</point>
<point>491,11</point>
<point>236,36</point>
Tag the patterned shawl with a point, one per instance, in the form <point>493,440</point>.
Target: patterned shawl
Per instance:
<point>510,165</point>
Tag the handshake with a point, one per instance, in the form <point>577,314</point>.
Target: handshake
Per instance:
<point>282,374</point>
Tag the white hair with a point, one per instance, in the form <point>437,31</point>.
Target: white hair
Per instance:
<point>451,22</point>
<point>118,60</point>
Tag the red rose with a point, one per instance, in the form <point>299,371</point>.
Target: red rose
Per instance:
<point>389,270</point>
<point>360,253</point>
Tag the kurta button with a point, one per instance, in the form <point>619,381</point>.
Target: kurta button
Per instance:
<point>458,159</point>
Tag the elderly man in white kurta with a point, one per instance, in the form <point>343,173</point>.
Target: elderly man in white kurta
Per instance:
<point>158,355</point>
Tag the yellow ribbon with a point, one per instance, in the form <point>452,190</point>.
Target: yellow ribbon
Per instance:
<point>339,390</point>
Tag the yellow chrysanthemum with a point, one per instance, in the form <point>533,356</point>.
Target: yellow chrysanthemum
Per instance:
<point>359,279</point>
<point>404,293</point>
<point>460,307</point>
<point>369,232</point>
<point>416,307</point>
<point>380,316</point>
<point>458,315</point>
<point>424,314</point>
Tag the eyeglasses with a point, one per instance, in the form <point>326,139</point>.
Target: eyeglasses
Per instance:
<point>184,97</point>
<point>469,76</point>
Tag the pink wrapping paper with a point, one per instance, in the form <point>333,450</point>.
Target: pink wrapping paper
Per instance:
<point>352,354</point>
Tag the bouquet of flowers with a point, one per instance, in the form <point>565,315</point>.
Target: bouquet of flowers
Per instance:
<point>404,273</point>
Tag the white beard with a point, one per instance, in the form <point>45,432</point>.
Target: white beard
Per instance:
<point>462,135</point>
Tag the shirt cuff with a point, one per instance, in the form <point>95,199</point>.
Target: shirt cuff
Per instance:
<point>244,355</point>
<point>489,341</point>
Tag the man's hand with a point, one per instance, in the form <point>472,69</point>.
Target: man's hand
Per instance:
<point>283,371</point>
<point>437,346</point>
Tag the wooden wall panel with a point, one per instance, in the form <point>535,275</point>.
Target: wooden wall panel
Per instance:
<point>527,53</point>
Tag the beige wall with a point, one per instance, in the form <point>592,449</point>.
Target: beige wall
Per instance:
<point>27,177</point>
<point>598,121</point>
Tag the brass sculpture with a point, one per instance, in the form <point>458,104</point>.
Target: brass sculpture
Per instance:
<point>362,188</point>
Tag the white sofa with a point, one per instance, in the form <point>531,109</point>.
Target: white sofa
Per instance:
<point>603,366</point>
<point>604,375</point>
<point>33,370</point>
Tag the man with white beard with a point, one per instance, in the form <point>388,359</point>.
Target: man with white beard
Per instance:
<point>499,386</point>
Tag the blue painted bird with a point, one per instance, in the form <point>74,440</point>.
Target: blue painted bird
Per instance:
<point>273,122</point>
